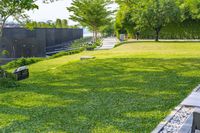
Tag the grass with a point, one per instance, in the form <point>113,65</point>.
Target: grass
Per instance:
<point>128,89</point>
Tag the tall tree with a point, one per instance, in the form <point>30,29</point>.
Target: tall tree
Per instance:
<point>92,14</point>
<point>124,21</point>
<point>155,14</point>
<point>64,23</point>
<point>58,23</point>
<point>14,8</point>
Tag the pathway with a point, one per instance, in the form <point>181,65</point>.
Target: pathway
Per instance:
<point>108,43</point>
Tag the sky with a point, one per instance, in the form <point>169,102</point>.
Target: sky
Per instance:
<point>53,11</point>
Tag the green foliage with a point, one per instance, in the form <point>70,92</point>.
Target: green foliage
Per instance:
<point>7,80</point>
<point>190,9</point>
<point>124,23</point>
<point>5,53</point>
<point>167,19</point>
<point>98,42</point>
<point>108,30</point>
<point>14,8</point>
<point>80,43</point>
<point>64,23</point>
<point>188,29</point>
<point>92,14</point>
<point>49,24</point>
<point>155,14</point>
<point>91,47</point>
<point>58,23</point>
<point>21,62</point>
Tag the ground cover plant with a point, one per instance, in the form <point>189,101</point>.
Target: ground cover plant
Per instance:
<point>128,89</point>
<point>21,62</point>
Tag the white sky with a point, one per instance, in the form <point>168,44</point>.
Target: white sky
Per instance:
<point>53,11</point>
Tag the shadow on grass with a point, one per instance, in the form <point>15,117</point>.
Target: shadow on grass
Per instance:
<point>112,95</point>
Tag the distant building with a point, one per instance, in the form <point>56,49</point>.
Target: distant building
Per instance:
<point>21,42</point>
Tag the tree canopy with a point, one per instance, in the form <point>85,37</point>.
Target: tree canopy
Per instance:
<point>92,14</point>
<point>49,24</point>
<point>155,14</point>
<point>136,15</point>
<point>14,8</point>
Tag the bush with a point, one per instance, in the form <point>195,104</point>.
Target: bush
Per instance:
<point>21,62</point>
<point>7,79</point>
<point>80,43</point>
<point>91,47</point>
<point>98,42</point>
<point>5,53</point>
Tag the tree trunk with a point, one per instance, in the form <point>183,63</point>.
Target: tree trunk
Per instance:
<point>157,34</point>
<point>93,36</point>
<point>1,29</point>
<point>96,34</point>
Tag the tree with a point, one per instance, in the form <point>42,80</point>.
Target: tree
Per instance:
<point>124,23</point>
<point>108,30</point>
<point>14,8</point>
<point>92,14</point>
<point>190,9</point>
<point>58,23</point>
<point>64,23</point>
<point>155,14</point>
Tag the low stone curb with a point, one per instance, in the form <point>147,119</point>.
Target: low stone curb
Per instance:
<point>186,127</point>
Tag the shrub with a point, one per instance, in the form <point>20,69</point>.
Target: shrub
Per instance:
<point>91,47</point>
<point>5,53</point>
<point>98,42</point>
<point>80,43</point>
<point>7,79</point>
<point>21,62</point>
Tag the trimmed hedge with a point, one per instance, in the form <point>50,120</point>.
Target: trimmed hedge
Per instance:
<point>21,62</point>
<point>188,29</point>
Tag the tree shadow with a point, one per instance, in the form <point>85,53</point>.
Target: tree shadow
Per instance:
<point>103,95</point>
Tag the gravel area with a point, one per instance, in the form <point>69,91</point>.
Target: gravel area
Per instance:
<point>177,121</point>
<point>180,119</point>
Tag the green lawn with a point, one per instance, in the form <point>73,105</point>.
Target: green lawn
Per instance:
<point>128,89</point>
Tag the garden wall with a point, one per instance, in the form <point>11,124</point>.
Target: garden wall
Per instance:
<point>21,42</point>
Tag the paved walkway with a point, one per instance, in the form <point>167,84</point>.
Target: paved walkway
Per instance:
<point>108,43</point>
<point>192,100</point>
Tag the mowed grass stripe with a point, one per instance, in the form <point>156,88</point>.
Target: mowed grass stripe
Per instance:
<point>127,89</point>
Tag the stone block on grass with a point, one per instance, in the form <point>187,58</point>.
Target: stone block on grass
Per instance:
<point>87,57</point>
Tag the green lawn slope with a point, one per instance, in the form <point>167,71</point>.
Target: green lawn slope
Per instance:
<point>127,89</point>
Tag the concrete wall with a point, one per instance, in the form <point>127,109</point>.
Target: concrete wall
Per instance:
<point>21,42</point>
